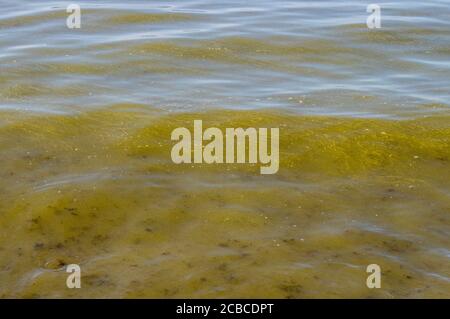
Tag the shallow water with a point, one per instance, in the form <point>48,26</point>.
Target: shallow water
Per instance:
<point>86,176</point>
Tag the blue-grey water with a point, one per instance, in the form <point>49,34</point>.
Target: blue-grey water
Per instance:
<point>310,56</point>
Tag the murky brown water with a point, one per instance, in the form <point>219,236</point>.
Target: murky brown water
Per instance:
<point>86,175</point>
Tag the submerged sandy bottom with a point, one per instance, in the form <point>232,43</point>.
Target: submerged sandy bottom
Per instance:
<point>99,189</point>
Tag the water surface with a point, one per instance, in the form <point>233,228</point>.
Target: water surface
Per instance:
<point>86,175</point>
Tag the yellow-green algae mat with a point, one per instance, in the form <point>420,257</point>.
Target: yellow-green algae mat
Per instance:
<point>99,189</point>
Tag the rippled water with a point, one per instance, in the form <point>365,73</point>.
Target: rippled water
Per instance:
<point>86,175</point>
